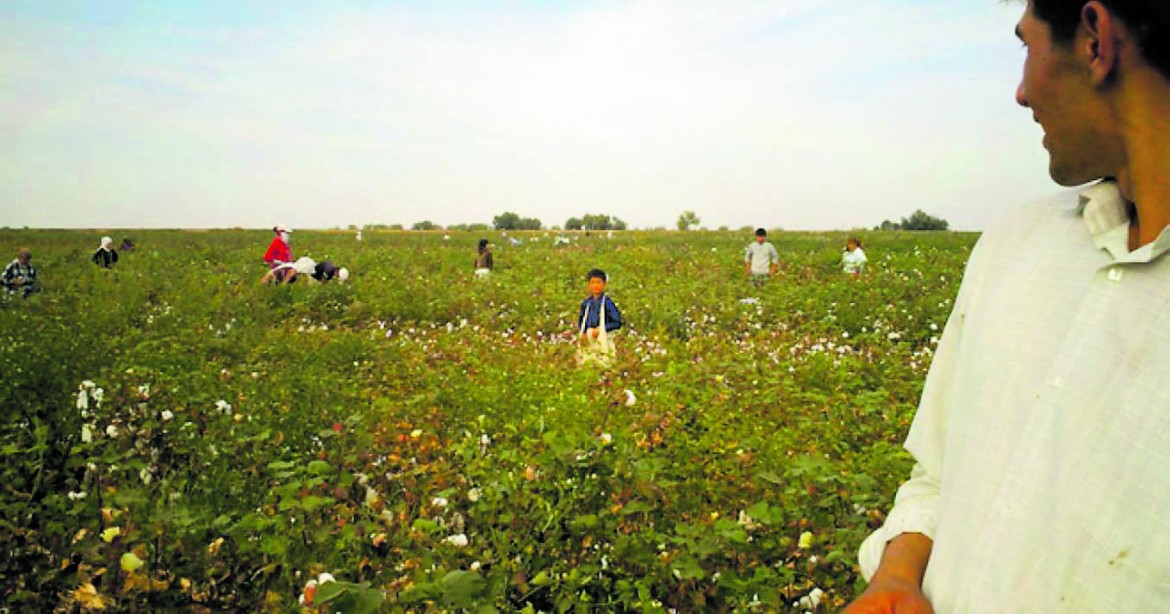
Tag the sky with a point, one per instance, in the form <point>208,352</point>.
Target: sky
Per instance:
<point>815,114</point>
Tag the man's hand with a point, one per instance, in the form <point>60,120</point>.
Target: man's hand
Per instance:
<point>896,587</point>
<point>891,596</point>
<point>595,332</point>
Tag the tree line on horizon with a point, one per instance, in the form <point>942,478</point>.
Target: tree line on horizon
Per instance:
<point>688,220</point>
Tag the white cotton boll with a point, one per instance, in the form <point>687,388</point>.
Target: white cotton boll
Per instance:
<point>167,414</point>
<point>82,400</point>
<point>606,438</point>
<point>144,474</point>
<point>86,433</point>
<point>812,600</point>
<point>112,431</point>
<point>439,502</point>
<point>458,540</point>
<point>473,495</point>
<point>224,407</point>
<point>98,395</point>
<point>325,577</point>
<point>630,398</point>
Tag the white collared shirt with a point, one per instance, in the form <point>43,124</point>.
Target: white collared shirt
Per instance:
<point>1042,439</point>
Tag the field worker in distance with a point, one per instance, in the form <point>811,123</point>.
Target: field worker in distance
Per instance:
<point>483,260</point>
<point>1042,475</point>
<point>598,318</point>
<point>279,252</point>
<point>307,268</point>
<point>20,275</point>
<point>853,260</point>
<point>127,245</point>
<point>760,259</point>
<point>105,256</point>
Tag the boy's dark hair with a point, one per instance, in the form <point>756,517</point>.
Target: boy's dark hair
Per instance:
<point>760,232</point>
<point>482,244</point>
<point>1149,20</point>
<point>598,273</point>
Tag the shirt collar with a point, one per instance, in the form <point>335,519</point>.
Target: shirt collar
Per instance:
<point>1106,215</point>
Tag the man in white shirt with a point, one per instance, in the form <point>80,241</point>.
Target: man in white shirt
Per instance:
<point>1042,441</point>
<point>760,258</point>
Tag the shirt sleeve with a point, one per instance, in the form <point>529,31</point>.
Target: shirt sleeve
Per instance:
<point>613,318</point>
<point>747,254</point>
<point>9,273</point>
<point>773,255</point>
<point>916,503</point>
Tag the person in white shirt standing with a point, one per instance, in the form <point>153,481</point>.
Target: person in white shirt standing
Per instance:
<point>1042,475</point>
<point>760,259</point>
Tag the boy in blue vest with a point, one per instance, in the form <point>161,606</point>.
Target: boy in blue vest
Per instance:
<point>599,316</point>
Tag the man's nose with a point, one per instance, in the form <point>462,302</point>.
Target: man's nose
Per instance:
<point>1021,97</point>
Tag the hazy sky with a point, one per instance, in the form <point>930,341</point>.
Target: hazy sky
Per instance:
<point>809,114</point>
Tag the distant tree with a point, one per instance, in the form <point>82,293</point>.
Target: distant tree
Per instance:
<point>687,220</point>
<point>723,229</point>
<point>920,220</point>
<point>473,227</point>
<point>512,221</point>
<point>425,225</point>
<point>396,227</point>
<point>506,221</point>
<point>595,222</point>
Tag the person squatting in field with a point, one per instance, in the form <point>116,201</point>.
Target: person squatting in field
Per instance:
<point>599,317</point>
<point>20,275</point>
<point>279,252</point>
<point>105,256</point>
<point>853,260</point>
<point>1042,475</point>
<point>307,268</point>
<point>760,259</point>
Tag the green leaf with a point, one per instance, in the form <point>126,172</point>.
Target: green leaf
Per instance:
<point>461,587</point>
<point>320,468</point>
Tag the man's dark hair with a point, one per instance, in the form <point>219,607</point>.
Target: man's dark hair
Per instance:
<point>760,232</point>
<point>483,243</point>
<point>598,273</point>
<point>1150,25</point>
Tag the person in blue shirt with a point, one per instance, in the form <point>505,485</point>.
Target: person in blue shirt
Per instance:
<point>599,316</point>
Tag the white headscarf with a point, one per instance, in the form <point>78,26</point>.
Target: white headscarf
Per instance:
<point>107,242</point>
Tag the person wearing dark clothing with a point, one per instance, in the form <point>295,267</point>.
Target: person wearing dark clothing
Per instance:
<point>105,256</point>
<point>483,259</point>
<point>598,317</point>
<point>326,270</point>
<point>127,245</point>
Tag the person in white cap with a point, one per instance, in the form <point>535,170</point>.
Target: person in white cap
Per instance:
<point>105,256</point>
<point>279,252</point>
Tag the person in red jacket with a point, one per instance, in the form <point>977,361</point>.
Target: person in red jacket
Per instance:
<point>278,251</point>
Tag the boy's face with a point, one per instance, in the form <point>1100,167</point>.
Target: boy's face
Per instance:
<point>596,286</point>
<point>760,238</point>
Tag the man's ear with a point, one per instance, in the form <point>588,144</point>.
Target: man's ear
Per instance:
<point>1099,41</point>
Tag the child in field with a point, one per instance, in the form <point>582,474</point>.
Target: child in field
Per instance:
<point>853,260</point>
<point>20,276</point>
<point>599,316</point>
<point>760,259</point>
<point>483,260</point>
<point>279,253</point>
